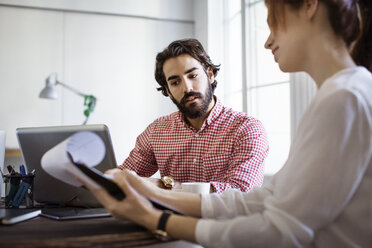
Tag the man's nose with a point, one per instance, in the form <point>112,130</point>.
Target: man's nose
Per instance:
<point>187,86</point>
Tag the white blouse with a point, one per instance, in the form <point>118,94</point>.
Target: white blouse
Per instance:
<point>322,197</point>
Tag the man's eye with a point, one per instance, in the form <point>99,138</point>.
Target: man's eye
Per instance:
<point>193,75</point>
<point>174,83</point>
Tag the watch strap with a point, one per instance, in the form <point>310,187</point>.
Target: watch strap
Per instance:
<point>163,221</point>
<point>160,232</point>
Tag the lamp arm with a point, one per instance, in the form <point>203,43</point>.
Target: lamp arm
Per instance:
<point>72,89</point>
<point>89,100</point>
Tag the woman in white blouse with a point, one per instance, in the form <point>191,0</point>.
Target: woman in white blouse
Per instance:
<point>322,196</point>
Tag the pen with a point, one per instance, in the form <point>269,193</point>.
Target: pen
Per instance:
<point>14,185</point>
<point>22,170</point>
<point>30,198</point>
<point>10,169</point>
<point>26,182</point>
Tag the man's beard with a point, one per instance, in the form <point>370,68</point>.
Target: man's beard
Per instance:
<point>194,111</point>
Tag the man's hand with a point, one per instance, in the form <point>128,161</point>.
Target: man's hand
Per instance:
<point>159,183</point>
<point>156,181</point>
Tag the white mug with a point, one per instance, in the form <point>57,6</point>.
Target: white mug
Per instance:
<point>200,188</point>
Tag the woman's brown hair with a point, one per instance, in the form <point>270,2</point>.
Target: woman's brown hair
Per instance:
<point>350,19</point>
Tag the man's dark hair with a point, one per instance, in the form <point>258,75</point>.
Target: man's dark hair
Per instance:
<point>191,47</point>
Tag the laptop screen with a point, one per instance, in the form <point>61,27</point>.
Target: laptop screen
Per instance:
<point>35,141</point>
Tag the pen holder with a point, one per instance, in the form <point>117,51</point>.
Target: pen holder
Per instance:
<point>19,191</point>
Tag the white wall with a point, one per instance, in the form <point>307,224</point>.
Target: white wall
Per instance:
<point>209,30</point>
<point>31,44</point>
<point>108,55</point>
<point>181,10</point>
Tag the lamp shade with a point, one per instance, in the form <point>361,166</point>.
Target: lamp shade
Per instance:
<point>49,93</point>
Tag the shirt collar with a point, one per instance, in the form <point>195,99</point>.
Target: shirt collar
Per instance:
<point>216,111</point>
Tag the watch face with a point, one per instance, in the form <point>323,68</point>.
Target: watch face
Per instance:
<point>161,235</point>
<point>167,181</point>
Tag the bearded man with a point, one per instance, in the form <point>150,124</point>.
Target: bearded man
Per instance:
<point>204,141</point>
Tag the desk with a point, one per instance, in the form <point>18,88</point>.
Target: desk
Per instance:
<point>97,232</point>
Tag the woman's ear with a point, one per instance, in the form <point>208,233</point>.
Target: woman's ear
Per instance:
<point>311,8</point>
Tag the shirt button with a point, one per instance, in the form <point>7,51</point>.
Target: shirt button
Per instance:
<point>194,160</point>
<point>197,135</point>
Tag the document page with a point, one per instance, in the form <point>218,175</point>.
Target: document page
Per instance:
<point>84,147</point>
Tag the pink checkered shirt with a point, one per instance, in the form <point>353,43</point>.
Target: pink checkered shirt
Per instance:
<point>228,151</point>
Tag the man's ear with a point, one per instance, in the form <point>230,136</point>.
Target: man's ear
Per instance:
<point>210,74</point>
<point>168,93</point>
<point>311,8</point>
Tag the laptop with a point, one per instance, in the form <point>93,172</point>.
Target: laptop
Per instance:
<point>51,192</point>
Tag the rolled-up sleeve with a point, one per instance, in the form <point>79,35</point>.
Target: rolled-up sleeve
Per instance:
<point>142,158</point>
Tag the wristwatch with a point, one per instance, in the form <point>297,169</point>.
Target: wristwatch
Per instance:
<point>168,182</point>
<point>160,232</point>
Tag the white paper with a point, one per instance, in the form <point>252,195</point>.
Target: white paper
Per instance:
<point>85,147</point>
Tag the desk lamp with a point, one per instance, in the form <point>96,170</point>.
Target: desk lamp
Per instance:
<point>49,92</point>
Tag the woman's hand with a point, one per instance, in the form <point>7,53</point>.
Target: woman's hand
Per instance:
<point>184,202</point>
<point>142,185</point>
<point>134,206</point>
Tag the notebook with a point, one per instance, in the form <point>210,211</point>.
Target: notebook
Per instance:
<point>15,215</point>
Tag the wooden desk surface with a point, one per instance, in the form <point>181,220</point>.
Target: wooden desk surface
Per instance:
<point>97,232</point>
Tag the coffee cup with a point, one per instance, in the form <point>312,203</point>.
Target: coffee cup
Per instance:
<point>196,187</point>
